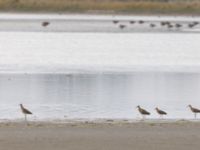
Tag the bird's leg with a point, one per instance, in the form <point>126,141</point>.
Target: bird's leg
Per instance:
<point>143,117</point>
<point>25,118</point>
<point>26,121</point>
<point>195,116</point>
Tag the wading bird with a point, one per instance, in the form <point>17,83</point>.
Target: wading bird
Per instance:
<point>194,110</point>
<point>152,25</point>
<point>195,22</point>
<point>178,25</point>
<point>115,21</point>
<point>25,111</point>
<point>170,26</point>
<point>163,23</point>
<point>142,111</point>
<point>140,21</point>
<point>122,26</point>
<point>132,22</point>
<point>191,25</point>
<point>160,112</point>
<point>45,23</point>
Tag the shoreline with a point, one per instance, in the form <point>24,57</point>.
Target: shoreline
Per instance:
<point>89,136</point>
<point>101,13</point>
<point>101,121</point>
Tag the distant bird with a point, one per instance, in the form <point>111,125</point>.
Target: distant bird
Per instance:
<point>194,110</point>
<point>115,21</point>
<point>160,112</point>
<point>152,25</point>
<point>191,25</point>
<point>132,22</point>
<point>45,23</point>
<point>195,23</point>
<point>25,111</point>
<point>163,23</point>
<point>178,25</point>
<point>143,112</point>
<point>122,26</point>
<point>140,21</point>
<point>170,26</point>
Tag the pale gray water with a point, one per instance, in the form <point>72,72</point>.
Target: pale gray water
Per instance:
<point>95,23</point>
<point>100,74</point>
<point>98,95</point>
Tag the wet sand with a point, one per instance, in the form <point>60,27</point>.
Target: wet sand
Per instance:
<point>108,135</point>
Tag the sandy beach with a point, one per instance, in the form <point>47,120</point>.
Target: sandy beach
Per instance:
<point>107,135</point>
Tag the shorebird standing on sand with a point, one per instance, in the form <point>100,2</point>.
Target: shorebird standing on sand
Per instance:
<point>160,112</point>
<point>194,110</point>
<point>25,111</point>
<point>142,111</point>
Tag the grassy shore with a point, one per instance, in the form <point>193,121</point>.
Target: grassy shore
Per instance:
<point>181,7</point>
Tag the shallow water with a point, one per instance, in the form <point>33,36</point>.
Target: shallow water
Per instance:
<point>98,95</point>
<point>98,75</point>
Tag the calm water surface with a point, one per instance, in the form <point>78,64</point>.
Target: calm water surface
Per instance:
<point>97,75</point>
<point>98,95</point>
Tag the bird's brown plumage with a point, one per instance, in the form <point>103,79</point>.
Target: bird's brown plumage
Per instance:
<point>45,23</point>
<point>160,112</point>
<point>25,111</point>
<point>194,110</point>
<point>115,21</point>
<point>143,111</point>
<point>122,26</point>
<point>132,22</point>
<point>152,25</point>
<point>140,21</point>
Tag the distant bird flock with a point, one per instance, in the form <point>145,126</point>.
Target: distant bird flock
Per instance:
<point>158,24</point>
<point>130,24</point>
<point>160,112</point>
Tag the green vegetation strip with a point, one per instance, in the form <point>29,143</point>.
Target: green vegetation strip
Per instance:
<point>104,6</point>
